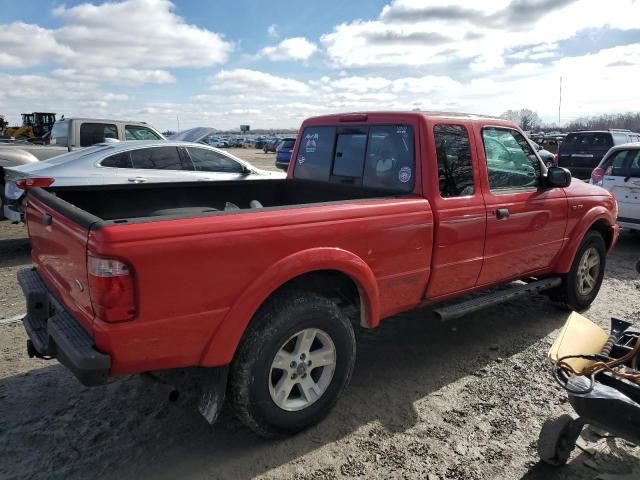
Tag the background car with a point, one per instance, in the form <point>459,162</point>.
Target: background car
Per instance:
<point>545,155</point>
<point>270,145</point>
<point>619,173</point>
<point>581,152</point>
<point>283,152</point>
<point>129,162</point>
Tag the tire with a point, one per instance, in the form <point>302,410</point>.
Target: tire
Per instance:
<point>570,294</point>
<point>254,377</point>
<point>555,442</point>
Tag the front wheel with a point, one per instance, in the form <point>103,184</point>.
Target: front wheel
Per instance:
<point>295,359</point>
<point>582,284</point>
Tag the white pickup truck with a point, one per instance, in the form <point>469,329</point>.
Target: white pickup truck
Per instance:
<point>68,134</point>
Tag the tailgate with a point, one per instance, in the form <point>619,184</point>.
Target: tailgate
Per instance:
<point>59,252</point>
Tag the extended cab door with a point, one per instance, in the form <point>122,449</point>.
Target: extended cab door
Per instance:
<point>525,223</point>
<point>459,206</point>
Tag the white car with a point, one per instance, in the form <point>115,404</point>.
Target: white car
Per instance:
<point>128,162</point>
<point>619,172</point>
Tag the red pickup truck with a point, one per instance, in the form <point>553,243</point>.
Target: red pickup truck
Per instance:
<point>258,283</point>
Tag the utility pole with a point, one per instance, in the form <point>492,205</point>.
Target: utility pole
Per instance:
<point>560,101</point>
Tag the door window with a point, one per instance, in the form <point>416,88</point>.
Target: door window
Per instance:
<point>455,170</point>
<point>511,162</point>
<point>159,158</point>
<point>92,133</point>
<point>209,161</point>
<point>136,132</point>
<point>119,160</point>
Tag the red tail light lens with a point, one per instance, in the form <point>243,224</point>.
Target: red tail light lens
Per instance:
<point>27,183</point>
<point>597,176</point>
<point>111,289</point>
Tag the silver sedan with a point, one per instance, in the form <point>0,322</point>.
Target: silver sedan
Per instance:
<point>129,162</point>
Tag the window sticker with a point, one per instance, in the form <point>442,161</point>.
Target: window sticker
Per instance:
<point>404,175</point>
<point>311,141</point>
<point>301,159</point>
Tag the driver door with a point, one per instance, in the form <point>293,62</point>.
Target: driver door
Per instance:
<point>525,223</point>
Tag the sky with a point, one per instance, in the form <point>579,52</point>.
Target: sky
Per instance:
<point>272,64</point>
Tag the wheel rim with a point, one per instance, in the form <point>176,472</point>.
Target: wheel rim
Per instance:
<point>588,271</point>
<point>302,369</point>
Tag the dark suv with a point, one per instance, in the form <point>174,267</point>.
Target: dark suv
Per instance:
<point>581,152</point>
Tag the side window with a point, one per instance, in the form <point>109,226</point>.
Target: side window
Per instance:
<point>209,161</point>
<point>349,156</point>
<point>161,158</point>
<point>92,133</point>
<point>136,132</point>
<point>453,151</point>
<point>119,160</point>
<point>511,162</point>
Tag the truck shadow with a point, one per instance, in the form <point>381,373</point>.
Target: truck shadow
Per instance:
<point>127,429</point>
<point>14,251</point>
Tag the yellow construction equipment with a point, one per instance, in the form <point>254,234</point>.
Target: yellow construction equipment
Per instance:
<point>34,125</point>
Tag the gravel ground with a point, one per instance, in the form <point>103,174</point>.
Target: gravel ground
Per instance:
<point>463,400</point>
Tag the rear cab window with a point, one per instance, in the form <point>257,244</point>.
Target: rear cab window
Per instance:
<point>60,134</point>
<point>590,139</point>
<point>92,133</point>
<point>374,156</point>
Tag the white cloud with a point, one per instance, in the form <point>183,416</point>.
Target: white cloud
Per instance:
<point>243,79</point>
<point>295,48</point>
<point>24,45</point>
<point>139,36</point>
<point>272,31</point>
<point>127,76</point>
<point>424,32</point>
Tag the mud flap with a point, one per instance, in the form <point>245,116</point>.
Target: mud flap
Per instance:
<point>213,390</point>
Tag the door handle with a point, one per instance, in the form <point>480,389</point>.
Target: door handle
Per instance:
<point>137,180</point>
<point>47,220</point>
<point>502,213</point>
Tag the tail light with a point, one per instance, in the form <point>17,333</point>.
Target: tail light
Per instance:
<point>27,183</point>
<point>111,289</point>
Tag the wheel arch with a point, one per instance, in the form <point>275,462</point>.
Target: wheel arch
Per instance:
<point>308,269</point>
<point>598,219</point>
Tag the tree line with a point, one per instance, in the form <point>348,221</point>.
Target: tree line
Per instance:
<point>529,120</point>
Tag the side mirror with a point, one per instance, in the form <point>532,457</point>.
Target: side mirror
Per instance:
<point>558,177</point>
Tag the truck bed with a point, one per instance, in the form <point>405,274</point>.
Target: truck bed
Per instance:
<point>143,203</point>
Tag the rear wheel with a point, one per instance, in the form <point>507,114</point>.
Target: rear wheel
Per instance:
<point>582,284</point>
<point>295,359</point>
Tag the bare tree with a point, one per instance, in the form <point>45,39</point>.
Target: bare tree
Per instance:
<point>525,118</point>
<point>629,120</point>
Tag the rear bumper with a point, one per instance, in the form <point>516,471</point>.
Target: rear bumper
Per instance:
<point>282,165</point>
<point>54,333</point>
<point>629,223</point>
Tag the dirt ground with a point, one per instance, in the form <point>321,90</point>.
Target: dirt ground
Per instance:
<point>463,400</point>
